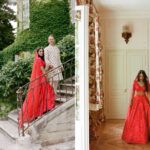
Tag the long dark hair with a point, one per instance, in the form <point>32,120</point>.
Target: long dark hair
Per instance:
<point>145,80</point>
<point>42,57</point>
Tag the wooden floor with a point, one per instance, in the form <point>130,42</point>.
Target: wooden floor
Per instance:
<point>110,138</point>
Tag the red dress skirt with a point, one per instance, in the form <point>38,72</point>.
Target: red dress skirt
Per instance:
<point>40,95</point>
<point>137,124</point>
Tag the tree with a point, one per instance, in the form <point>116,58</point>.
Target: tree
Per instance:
<point>6,29</point>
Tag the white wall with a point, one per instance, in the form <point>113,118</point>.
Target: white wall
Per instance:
<point>113,31</point>
<point>139,22</point>
<point>112,24</point>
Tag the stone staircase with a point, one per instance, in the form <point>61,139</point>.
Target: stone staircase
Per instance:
<point>66,90</point>
<point>60,130</point>
<point>53,131</point>
<point>9,126</point>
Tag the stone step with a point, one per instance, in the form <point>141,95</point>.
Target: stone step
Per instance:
<point>17,146</point>
<point>56,137</point>
<point>60,129</point>
<point>55,112</point>
<point>7,144</point>
<point>70,80</point>
<point>66,92</point>
<point>5,141</point>
<point>26,125</point>
<point>62,146</point>
<point>50,128</point>
<point>13,116</point>
<point>66,87</point>
<point>67,84</point>
<point>9,129</point>
<point>62,99</point>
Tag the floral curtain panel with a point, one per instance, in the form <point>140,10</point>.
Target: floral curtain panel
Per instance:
<point>99,65</point>
<point>92,56</point>
<point>82,2</point>
<point>95,72</point>
<point>95,60</point>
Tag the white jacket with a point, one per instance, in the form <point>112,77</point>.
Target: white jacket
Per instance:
<point>52,57</point>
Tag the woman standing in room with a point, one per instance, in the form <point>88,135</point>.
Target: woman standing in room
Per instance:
<point>136,128</point>
<point>40,95</point>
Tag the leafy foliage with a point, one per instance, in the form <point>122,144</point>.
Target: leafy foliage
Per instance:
<point>67,50</point>
<point>46,17</point>
<point>13,75</point>
<point>54,19</point>
<point>67,47</point>
<point>6,29</point>
<point>6,107</point>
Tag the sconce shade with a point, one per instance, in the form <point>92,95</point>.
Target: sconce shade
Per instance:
<point>126,36</point>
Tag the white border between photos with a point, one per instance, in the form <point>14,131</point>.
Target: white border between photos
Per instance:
<point>82,58</point>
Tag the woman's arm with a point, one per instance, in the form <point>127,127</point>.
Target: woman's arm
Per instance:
<point>148,96</point>
<point>132,95</point>
<point>43,70</point>
<point>148,93</point>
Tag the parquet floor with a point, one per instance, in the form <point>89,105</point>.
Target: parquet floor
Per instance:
<point>110,138</point>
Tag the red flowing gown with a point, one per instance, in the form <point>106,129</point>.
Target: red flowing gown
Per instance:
<point>40,95</point>
<point>136,128</point>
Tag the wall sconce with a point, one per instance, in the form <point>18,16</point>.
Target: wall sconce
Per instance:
<point>126,34</point>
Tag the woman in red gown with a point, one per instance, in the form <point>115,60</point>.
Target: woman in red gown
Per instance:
<point>40,95</point>
<point>137,122</point>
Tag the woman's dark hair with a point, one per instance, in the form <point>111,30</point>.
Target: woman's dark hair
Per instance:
<point>145,80</point>
<point>42,57</point>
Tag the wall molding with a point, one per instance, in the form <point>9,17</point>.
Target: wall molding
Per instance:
<point>124,14</point>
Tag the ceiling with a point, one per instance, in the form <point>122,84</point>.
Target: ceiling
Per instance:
<point>123,5</point>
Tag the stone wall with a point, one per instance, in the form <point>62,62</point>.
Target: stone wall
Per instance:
<point>72,10</point>
<point>23,13</point>
<point>23,9</point>
<point>12,2</point>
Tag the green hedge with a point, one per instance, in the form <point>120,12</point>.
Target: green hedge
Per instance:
<point>6,107</point>
<point>50,17</point>
<point>67,48</point>
<point>13,75</point>
<point>46,17</point>
<point>21,44</point>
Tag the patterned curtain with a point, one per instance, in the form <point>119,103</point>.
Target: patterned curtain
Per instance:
<point>92,56</point>
<point>82,2</point>
<point>99,64</point>
<point>96,93</point>
<point>95,72</point>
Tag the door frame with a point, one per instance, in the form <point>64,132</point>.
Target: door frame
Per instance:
<point>106,91</point>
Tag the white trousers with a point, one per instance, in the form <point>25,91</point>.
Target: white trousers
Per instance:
<point>54,84</point>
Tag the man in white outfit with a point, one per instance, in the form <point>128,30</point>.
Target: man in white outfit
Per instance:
<point>52,60</point>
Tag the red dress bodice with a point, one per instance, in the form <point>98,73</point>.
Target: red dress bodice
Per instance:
<point>138,87</point>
